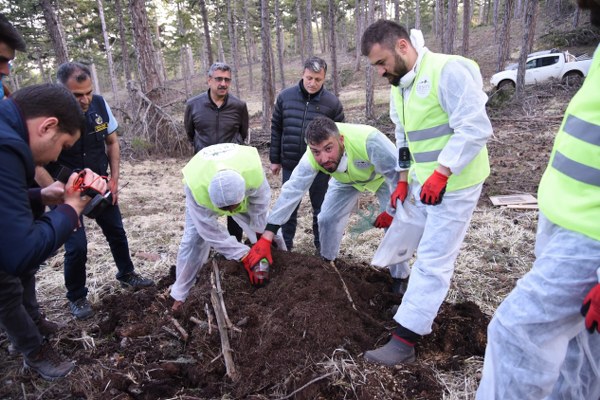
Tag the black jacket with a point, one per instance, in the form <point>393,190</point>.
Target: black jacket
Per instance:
<point>24,241</point>
<point>294,109</point>
<point>206,124</point>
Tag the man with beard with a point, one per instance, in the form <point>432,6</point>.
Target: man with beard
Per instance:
<point>358,158</point>
<point>537,344</point>
<point>438,106</point>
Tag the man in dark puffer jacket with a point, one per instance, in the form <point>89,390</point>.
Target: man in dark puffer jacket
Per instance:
<point>294,109</point>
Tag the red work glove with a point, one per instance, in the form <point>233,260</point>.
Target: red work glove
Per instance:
<point>591,309</point>
<point>383,220</point>
<point>400,193</point>
<point>260,250</point>
<point>248,267</point>
<point>434,188</point>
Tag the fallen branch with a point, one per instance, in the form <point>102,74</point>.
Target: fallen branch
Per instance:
<point>184,334</point>
<point>209,318</point>
<point>222,325</point>
<point>202,324</point>
<point>217,285</point>
<point>332,264</point>
<point>170,331</point>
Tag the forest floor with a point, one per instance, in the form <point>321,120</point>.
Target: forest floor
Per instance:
<point>302,335</point>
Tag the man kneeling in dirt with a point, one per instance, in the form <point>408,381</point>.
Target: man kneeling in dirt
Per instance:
<point>225,179</point>
<point>359,158</point>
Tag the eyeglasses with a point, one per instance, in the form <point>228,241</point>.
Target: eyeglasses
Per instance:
<point>221,79</point>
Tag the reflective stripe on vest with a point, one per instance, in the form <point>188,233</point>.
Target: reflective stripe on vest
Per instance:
<point>199,171</point>
<point>360,173</point>
<point>569,192</point>
<point>427,127</point>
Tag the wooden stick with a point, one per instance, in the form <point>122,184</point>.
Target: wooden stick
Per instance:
<point>332,263</point>
<point>217,282</point>
<point>202,324</point>
<point>169,330</point>
<point>307,385</point>
<point>222,325</point>
<point>209,318</point>
<point>184,334</point>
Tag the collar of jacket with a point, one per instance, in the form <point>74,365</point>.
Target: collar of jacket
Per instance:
<point>307,95</point>
<point>213,104</point>
<point>12,116</point>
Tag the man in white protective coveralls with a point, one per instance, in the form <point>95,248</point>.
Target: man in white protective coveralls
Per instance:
<point>224,179</point>
<point>438,106</point>
<point>358,158</point>
<point>538,347</point>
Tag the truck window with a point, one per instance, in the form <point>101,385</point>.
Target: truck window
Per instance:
<point>547,61</point>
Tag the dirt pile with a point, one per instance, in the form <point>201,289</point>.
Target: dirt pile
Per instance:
<point>302,333</point>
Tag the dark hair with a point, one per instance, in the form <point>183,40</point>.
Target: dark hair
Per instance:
<point>220,66</point>
<point>79,71</point>
<point>383,32</point>
<point>315,64</point>
<point>321,129</point>
<point>10,36</point>
<point>51,100</point>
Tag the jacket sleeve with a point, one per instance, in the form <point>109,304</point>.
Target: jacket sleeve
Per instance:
<point>462,97</point>
<point>276,133</point>
<point>383,156</point>
<point>188,122</point>
<point>292,191</point>
<point>211,231</point>
<point>339,112</point>
<point>25,242</point>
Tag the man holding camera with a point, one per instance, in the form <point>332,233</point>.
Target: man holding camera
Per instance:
<point>97,149</point>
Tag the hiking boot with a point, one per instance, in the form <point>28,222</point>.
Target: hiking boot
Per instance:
<point>135,280</point>
<point>46,327</point>
<point>81,308</point>
<point>393,353</point>
<point>177,307</point>
<point>399,285</point>
<point>48,363</point>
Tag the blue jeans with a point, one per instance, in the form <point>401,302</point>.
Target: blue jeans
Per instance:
<point>19,310</point>
<point>111,223</point>
<point>317,194</point>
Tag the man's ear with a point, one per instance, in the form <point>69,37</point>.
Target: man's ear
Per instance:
<point>401,46</point>
<point>48,125</point>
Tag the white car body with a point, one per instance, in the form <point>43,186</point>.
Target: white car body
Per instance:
<point>542,66</point>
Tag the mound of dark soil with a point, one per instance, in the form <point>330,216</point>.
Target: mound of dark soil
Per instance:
<point>302,333</point>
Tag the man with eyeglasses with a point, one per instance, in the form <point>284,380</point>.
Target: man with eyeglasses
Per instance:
<point>216,116</point>
<point>294,108</point>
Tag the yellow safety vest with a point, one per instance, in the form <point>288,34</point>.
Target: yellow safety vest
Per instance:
<point>427,128</point>
<point>360,172</point>
<point>569,192</point>
<point>200,170</point>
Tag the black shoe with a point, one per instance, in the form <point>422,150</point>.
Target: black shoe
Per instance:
<point>48,363</point>
<point>81,308</point>
<point>135,280</point>
<point>399,285</point>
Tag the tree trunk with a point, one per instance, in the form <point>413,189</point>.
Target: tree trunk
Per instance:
<point>333,46</point>
<point>204,13</point>
<point>95,79</point>
<point>417,14</point>
<point>186,70</point>
<point>148,74</point>
<point>504,43</point>
<point>358,20</point>
<point>268,92</point>
<point>529,19</point>
<point>279,34</point>
<point>437,22</point>
<point>111,69</point>
<point>232,27</point>
<point>56,31</point>
<point>300,27</point>
<point>123,39</point>
<point>466,26</point>
<point>370,91</point>
<point>496,10</point>
<point>310,46</point>
<point>451,26</point>
<point>383,9</point>
<point>248,40</point>
<point>397,11</point>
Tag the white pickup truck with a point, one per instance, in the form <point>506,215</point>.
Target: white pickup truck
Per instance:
<point>544,65</point>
